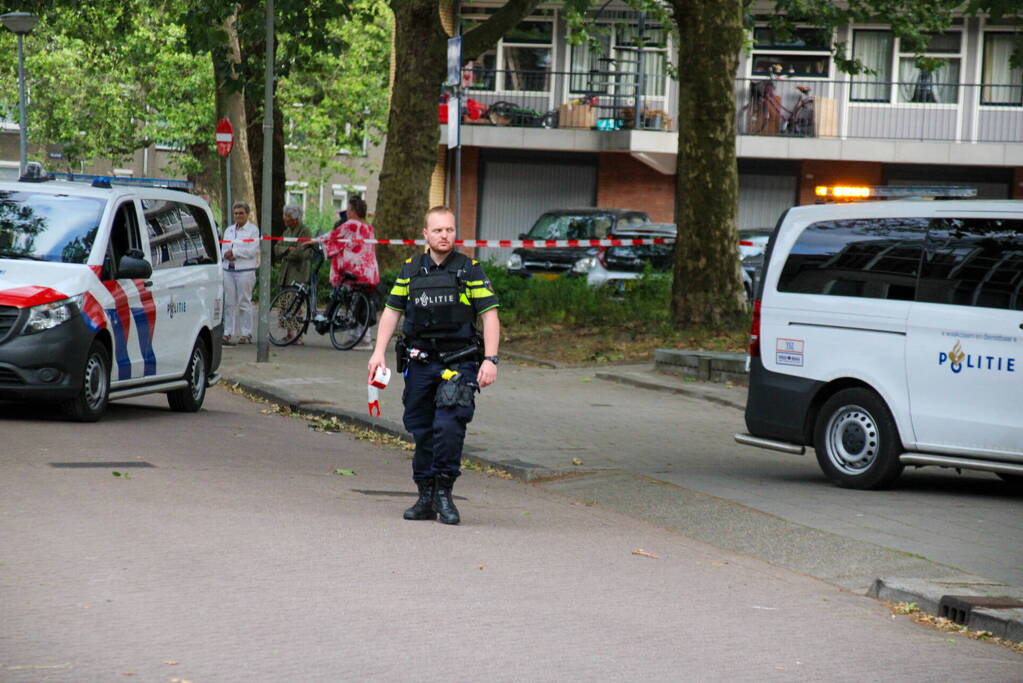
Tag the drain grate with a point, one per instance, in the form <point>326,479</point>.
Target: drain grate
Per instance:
<point>959,608</point>
<point>77,465</point>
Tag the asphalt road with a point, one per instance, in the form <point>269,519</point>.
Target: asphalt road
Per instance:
<point>970,521</point>
<point>241,555</point>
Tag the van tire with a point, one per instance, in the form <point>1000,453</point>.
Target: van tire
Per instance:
<point>189,399</point>
<point>1014,481</point>
<point>90,402</point>
<point>856,440</point>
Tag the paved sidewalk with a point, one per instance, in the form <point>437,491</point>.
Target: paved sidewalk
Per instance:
<point>240,556</point>
<point>614,423</point>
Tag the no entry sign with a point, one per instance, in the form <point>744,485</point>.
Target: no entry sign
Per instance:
<point>225,137</point>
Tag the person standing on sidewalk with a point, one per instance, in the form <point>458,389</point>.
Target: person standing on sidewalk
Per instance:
<point>441,293</point>
<point>241,259</point>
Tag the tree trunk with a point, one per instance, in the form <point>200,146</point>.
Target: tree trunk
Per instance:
<point>412,129</point>
<point>707,289</point>
<point>231,105</point>
<point>277,171</point>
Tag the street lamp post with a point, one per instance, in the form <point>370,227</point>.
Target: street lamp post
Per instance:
<point>21,24</point>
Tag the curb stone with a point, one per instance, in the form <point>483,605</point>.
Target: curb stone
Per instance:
<point>927,595</point>
<point>653,386</point>
<point>520,470</point>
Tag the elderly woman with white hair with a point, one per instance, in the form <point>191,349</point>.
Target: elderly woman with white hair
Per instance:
<point>294,257</point>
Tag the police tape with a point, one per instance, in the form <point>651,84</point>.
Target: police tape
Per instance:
<point>535,244</point>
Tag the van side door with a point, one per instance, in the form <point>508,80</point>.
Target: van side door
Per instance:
<point>184,277</point>
<point>965,339</point>
<point>131,306</point>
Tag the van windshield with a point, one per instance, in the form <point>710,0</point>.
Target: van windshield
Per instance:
<point>571,227</point>
<point>48,227</point>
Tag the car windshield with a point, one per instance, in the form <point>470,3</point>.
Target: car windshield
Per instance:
<point>571,227</point>
<point>48,227</point>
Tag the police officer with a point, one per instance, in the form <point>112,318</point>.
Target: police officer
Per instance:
<point>441,293</point>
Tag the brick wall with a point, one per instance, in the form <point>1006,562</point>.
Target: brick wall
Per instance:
<point>625,183</point>
<point>820,172</point>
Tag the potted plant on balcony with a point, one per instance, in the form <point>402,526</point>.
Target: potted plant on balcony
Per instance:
<point>656,119</point>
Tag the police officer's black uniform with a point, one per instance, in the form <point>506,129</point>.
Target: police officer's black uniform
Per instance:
<point>440,303</point>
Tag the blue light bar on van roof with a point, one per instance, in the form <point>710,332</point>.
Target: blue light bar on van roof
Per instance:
<point>109,181</point>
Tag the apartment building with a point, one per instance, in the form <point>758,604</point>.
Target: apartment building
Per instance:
<point>528,145</point>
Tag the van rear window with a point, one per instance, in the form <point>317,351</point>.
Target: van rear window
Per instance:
<point>877,258</point>
<point>958,261</point>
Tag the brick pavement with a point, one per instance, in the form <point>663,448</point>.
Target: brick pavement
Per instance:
<point>241,556</point>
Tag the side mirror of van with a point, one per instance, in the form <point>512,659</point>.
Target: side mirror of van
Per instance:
<point>132,266</point>
<point>523,236</point>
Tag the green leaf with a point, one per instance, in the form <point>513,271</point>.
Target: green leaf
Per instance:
<point>345,473</point>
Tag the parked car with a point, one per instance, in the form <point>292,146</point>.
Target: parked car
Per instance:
<point>752,244</point>
<point>617,266</point>
<point>569,224</point>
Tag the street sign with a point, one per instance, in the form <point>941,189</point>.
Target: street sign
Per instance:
<point>225,137</point>
<point>454,61</point>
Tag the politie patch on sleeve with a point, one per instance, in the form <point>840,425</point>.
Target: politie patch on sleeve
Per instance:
<point>789,352</point>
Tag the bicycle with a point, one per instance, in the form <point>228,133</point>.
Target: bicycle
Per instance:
<point>349,311</point>
<point>765,110</point>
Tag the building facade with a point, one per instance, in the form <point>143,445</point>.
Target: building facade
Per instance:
<point>555,125</point>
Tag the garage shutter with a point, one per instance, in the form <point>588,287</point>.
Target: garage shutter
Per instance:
<point>515,193</point>
<point>763,198</point>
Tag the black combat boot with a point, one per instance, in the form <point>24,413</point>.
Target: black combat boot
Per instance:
<point>423,509</point>
<point>442,501</point>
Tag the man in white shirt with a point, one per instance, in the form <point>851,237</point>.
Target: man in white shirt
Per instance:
<point>241,260</point>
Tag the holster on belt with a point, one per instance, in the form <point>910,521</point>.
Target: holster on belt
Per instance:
<point>402,352</point>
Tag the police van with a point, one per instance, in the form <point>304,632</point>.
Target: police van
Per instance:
<point>109,288</point>
<point>890,334</point>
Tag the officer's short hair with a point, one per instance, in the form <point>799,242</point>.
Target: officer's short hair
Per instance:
<point>436,209</point>
<point>293,211</point>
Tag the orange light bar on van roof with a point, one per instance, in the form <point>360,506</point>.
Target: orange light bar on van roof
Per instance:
<point>842,192</point>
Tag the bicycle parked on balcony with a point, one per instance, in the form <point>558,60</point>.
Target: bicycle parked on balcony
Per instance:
<point>349,312</point>
<point>766,115</point>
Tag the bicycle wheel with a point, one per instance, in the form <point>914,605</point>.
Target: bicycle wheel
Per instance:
<point>289,316</point>
<point>349,320</point>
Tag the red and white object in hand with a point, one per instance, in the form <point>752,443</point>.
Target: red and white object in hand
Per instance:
<point>379,381</point>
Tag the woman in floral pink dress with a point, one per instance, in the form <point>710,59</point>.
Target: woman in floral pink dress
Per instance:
<point>358,259</point>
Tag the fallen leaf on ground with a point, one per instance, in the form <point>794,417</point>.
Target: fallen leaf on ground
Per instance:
<point>481,567</point>
<point>640,551</point>
<point>577,461</point>
<point>345,473</point>
<point>585,379</point>
<point>171,662</point>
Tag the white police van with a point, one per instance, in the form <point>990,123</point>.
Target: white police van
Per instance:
<point>889,334</point>
<point>109,288</point>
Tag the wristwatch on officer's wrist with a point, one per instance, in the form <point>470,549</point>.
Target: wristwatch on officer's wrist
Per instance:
<point>492,359</point>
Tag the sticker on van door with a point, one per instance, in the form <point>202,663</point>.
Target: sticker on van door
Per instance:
<point>789,352</point>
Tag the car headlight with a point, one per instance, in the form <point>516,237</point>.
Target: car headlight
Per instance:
<point>514,262</point>
<point>48,316</point>
<point>584,265</point>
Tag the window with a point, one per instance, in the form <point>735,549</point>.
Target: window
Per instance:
<point>806,53</point>
<point>341,195</point>
<point>874,50</point>
<point>974,262</point>
<point>883,53</point>
<point>295,193</point>
<point>48,227</point>
<point>618,51</point>
<point>521,62</point>
<point>873,258</point>
<point>1003,85</point>
<point>179,234</point>
<point>124,237</point>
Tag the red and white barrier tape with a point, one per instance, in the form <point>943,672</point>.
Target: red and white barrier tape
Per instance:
<point>536,244</point>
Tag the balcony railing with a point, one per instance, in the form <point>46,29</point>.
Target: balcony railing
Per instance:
<point>605,100</point>
<point>859,108</point>
<point>920,110</point>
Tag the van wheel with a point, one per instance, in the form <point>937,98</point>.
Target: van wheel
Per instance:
<point>91,401</point>
<point>189,399</point>
<point>1014,481</point>
<point>857,442</point>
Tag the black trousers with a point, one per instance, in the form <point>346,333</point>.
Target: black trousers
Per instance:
<point>439,430</point>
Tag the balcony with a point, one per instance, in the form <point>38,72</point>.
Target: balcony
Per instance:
<point>852,119</point>
<point>921,111</point>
